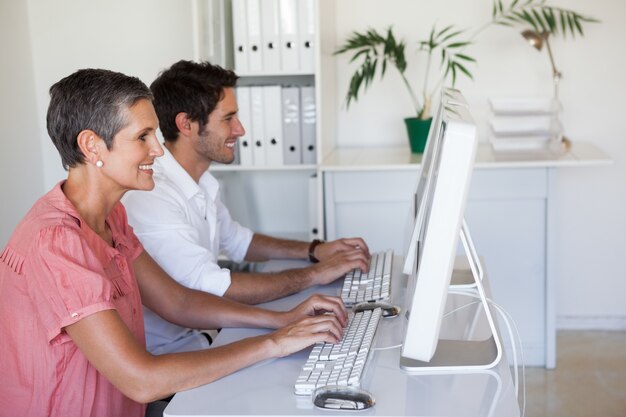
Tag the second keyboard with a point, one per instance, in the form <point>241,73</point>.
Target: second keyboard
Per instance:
<point>373,286</point>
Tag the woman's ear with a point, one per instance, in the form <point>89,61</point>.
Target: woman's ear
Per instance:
<point>88,143</point>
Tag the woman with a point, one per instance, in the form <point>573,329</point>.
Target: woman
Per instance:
<point>73,276</point>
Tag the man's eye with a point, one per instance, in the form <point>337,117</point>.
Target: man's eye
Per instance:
<point>143,138</point>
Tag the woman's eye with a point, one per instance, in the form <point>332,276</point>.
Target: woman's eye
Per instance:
<point>143,138</point>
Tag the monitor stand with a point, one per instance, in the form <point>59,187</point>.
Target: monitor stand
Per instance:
<point>464,355</point>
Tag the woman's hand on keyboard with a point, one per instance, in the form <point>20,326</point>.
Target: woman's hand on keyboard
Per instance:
<point>305,332</point>
<point>338,265</point>
<point>318,305</point>
<point>327,249</point>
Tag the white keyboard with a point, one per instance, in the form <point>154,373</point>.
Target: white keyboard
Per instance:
<point>373,286</point>
<point>342,363</point>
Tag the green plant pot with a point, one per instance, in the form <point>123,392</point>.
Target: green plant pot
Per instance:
<point>418,133</point>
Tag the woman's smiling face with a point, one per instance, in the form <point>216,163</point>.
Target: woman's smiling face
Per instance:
<point>129,161</point>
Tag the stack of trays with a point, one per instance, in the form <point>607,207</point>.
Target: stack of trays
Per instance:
<point>524,123</point>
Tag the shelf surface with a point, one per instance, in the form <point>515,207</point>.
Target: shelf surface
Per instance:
<point>238,168</point>
<point>399,158</point>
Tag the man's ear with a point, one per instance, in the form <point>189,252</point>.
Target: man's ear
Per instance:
<point>88,143</point>
<point>183,124</point>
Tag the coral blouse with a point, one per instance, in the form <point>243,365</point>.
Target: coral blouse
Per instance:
<point>55,271</point>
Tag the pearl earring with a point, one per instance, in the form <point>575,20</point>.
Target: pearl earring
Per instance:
<point>99,163</point>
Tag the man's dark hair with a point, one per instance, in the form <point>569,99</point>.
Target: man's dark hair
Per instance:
<point>189,87</point>
<point>93,99</point>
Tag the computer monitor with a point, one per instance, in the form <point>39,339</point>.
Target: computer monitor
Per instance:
<point>449,97</point>
<point>422,189</point>
<point>440,200</point>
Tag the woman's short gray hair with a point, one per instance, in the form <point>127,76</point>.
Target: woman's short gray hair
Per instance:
<point>93,99</point>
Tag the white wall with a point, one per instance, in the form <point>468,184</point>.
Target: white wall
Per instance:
<point>20,158</point>
<point>139,37</point>
<point>591,229</point>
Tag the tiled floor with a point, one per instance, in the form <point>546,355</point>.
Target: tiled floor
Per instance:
<point>589,379</point>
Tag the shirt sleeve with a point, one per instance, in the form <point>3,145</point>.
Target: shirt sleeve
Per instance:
<point>160,221</point>
<point>234,238</point>
<point>66,279</point>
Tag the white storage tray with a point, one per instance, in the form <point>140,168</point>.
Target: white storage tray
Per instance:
<point>524,105</point>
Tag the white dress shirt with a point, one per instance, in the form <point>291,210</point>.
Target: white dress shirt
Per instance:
<point>184,226</point>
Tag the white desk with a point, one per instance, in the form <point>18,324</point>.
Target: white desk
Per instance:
<point>267,388</point>
<point>510,212</point>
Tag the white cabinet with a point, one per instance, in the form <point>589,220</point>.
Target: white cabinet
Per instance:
<point>374,205</point>
<point>280,48</point>
<point>506,215</point>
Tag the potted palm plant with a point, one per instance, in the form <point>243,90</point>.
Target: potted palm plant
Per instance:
<point>374,52</point>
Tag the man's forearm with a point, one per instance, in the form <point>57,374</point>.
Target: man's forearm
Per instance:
<point>254,288</point>
<point>263,248</point>
<point>257,288</point>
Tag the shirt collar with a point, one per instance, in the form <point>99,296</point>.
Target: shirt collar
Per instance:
<point>57,199</point>
<point>169,167</point>
<point>210,185</point>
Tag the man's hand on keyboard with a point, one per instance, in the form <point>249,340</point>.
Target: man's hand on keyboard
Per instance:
<point>338,265</point>
<point>327,249</point>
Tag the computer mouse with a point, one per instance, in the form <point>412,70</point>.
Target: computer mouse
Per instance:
<point>336,397</point>
<point>389,310</point>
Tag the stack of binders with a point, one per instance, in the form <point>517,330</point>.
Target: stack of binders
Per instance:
<point>524,124</point>
<point>280,123</point>
<point>273,36</point>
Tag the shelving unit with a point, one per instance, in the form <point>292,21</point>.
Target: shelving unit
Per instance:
<point>280,200</point>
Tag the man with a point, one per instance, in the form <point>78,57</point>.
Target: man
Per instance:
<point>184,225</point>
